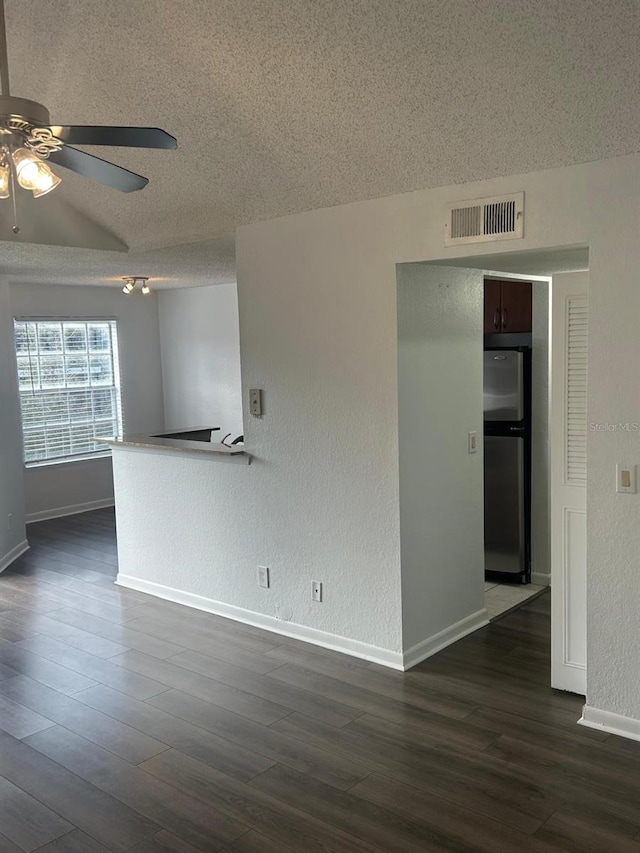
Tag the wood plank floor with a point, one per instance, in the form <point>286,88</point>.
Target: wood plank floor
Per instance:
<point>132,724</point>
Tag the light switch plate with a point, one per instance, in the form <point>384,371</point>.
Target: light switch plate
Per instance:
<point>473,442</point>
<point>255,401</point>
<point>626,479</point>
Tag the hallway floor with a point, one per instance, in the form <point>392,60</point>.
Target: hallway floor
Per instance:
<point>132,724</point>
<point>502,598</point>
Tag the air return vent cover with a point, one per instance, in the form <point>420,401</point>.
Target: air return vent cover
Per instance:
<point>483,220</point>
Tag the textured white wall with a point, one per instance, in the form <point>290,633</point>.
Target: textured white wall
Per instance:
<point>11,482</point>
<point>200,341</point>
<point>440,342</point>
<point>320,499</point>
<point>540,532</point>
<point>317,295</point>
<point>51,487</point>
<point>613,520</point>
<point>345,257</point>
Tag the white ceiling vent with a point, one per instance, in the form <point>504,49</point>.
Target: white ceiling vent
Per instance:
<point>483,220</point>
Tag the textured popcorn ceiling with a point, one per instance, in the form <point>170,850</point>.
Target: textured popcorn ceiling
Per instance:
<point>191,264</point>
<point>281,106</point>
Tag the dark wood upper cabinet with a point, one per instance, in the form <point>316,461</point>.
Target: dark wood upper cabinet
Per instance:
<point>507,306</point>
<point>492,306</point>
<point>516,306</point>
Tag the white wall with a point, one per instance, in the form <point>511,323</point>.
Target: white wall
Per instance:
<point>60,489</point>
<point>320,499</point>
<point>540,532</point>
<point>317,297</point>
<point>53,487</point>
<point>343,259</point>
<point>613,520</point>
<point>200,340</point>
<point>440,343</point>
<point>12,533</point>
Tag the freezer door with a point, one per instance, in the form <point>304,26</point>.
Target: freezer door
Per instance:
<point>504,534</point>
<point>503,385</point>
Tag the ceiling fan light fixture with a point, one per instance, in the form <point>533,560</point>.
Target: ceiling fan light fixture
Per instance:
<point>27,139</point>
<point>46,181</point>
<point>26,165</point>
<point>5,178</point>
<point>33,174</point>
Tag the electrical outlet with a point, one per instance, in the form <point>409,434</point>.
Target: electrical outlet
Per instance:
<point>316,590</point>
<point>263,577</point>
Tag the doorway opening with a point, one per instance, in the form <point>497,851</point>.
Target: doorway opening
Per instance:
<point>443,455</point>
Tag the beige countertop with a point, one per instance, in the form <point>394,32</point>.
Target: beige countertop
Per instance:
<point>209,449</point>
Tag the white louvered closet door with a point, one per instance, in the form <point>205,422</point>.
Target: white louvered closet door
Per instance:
<point>568,446</point>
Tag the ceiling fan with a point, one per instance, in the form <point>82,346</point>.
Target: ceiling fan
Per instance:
<point>28,140</point>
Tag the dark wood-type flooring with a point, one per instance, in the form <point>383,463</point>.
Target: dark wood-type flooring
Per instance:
<point>129,723</point>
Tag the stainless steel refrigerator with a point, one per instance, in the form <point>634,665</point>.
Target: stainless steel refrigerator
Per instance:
<point>507,464</point>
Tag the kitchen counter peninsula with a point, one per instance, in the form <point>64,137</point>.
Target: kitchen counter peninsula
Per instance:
<point>189,441</point>
<point>181,517</point>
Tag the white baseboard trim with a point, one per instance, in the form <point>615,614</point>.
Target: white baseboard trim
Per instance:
<point>540,579</point>
<point>13,554</point>
<point>376,654</point>
<point>607,721</point>
<point>74,509</point>
<point>444,638</point>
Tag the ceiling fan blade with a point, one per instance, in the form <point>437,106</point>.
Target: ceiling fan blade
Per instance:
<point>129,137</point>
<point>98,169</point>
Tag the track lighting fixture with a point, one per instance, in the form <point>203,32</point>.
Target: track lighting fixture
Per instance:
<point>130,282</point>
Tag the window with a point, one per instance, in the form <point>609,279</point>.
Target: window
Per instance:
<point>69,384</point>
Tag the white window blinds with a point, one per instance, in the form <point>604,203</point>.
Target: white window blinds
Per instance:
<point>69,385</point>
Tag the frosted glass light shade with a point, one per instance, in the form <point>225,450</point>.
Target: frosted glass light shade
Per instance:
<point>26,165</point>
<point>45,182</point>
<point>33,174</point>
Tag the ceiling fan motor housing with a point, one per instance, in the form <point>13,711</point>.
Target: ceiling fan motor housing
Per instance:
<point>14,110</point>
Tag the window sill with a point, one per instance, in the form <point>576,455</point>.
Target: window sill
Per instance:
<point>68,460</point>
